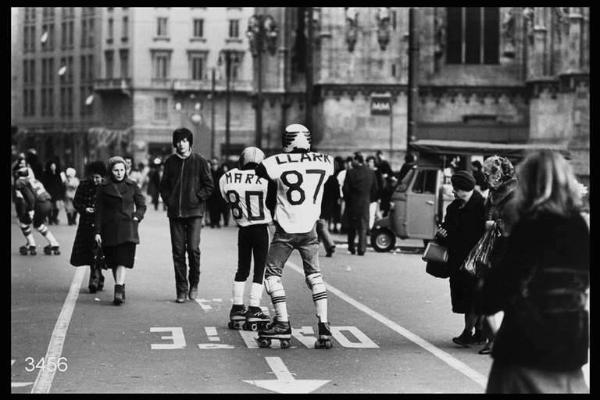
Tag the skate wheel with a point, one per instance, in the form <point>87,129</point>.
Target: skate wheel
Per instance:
<point>323,344</point>
<point>23,252</point>
<point>284,343</point>
<point>254,326</point>
<point>264,342</point>
<point>245,326</point>
<point>230,325</point>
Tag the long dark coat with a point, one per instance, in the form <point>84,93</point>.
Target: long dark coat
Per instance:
<point>465,226</point>
<point>85,196</point>
<point>115,210</point>
<point>359,186</point>
<point>540,284</point>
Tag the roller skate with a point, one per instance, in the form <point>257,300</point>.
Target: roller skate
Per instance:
<point>324,339</point>
<point>237,317</point>
<point>24,250</point>
<point>281,331</point>
<point>48,250</point>
<point>255,319</point>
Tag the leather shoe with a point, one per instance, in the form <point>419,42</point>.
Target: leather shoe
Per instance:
<point>180,298</point>
<point>193,293</point>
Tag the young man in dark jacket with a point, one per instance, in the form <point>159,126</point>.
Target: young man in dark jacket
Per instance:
<point>184,188</point>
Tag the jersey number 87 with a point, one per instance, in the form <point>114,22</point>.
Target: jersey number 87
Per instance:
<point>296,185</point>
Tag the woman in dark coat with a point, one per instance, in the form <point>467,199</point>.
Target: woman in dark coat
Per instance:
<point>85,204</point>
<point>462,228</point>
<point>54,183</point>
<point>120,206</point>
<point>500,177</point>
<point>542,285</point>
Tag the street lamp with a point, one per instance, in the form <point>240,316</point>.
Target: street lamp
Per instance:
<point>262,30</point>
<point>230,56</point>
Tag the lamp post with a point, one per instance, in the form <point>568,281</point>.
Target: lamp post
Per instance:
<point>262,30</point>
<point>413,75</point>
<point>229,56</point>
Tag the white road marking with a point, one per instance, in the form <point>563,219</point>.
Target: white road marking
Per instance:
<point>43,382</point>
<point>205,307</point>
<point>285,382</point>
<point>364,342</point>
<point>442,355</point>
<point>18,384</point>
<point>177,338</point>
<point>213,346</point>
<point>211,332</point>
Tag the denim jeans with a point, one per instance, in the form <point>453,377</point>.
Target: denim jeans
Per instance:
<point>185,237</point>
<point>284,243</point>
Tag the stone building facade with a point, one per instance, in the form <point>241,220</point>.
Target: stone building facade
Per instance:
<point>493,76</point>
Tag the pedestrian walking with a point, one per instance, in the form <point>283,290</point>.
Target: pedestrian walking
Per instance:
<point>120,207</point>
<point>360,186</point>
<point>84,245</point>
<point>501,180</point>
<point>185,186</point>
<point>71,184</point>
<point>331,195</point>
<point>247,195</point>
<point>341,177</point>
<point>298,175</point>
<point>375,197</point>
<point>33,206</point>
<point>480,181</point>
<point>215,202</point>
<point>541,284</point>
<point>223,207</point>
<point>54,183</point>
<point>463,226</point>
<point>154,177</point>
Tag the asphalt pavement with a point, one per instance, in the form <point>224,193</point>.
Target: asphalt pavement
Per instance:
<point>392,326</point>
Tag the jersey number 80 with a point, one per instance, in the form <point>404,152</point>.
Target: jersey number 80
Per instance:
<point>234,200</point>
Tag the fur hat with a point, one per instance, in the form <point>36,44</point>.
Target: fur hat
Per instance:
<point>115,160</point>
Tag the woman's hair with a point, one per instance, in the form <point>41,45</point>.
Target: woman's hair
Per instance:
<point>116,160</point>
<point>546,184</point>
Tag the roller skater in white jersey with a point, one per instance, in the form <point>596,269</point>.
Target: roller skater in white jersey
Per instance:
<point>299,175</point>
<point>246,194</point>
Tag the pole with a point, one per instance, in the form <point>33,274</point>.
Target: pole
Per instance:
<point>227,100</point>
<point>212,115</point>
<point>259,46</point>
<point>391,127</point>
<point>309,70</point>
<point>413,90</point>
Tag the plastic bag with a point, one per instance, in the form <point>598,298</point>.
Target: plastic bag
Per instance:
<point>479,255</point>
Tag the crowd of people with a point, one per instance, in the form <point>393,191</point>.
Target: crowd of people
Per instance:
<point>526,305</point>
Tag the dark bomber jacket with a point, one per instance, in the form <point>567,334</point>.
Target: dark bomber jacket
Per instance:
<point>185,185</point>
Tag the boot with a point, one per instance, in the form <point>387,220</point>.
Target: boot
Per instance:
<point>464,339</point>
<point>277,329</point>
<point>118,295</point>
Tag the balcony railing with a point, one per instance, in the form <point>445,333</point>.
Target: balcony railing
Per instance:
<point>185,85</point>
<point>112,84</point>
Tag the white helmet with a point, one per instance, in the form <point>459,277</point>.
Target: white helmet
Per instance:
<point>251,155</point>
<point>296,136</point>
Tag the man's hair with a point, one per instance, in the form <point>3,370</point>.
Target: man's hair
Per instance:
<point>182,133</point>
<point>358,157</point>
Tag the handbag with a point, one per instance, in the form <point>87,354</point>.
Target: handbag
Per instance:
<point>436,257</point>
<point>436,253</point>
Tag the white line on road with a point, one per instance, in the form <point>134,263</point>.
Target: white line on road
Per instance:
<point>43,382</point>
<point>442,355</point>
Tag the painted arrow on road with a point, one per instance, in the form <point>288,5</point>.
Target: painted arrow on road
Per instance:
<point>285,382</point>
<point>18,384</point>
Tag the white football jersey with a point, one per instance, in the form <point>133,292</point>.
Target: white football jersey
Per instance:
<point>246,194</point>
<point>300,178</point>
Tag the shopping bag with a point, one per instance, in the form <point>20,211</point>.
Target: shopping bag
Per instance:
<point>479,256</point>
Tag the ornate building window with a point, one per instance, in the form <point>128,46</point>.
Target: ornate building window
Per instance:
<point>473,35</point>
<point>161,111</point>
